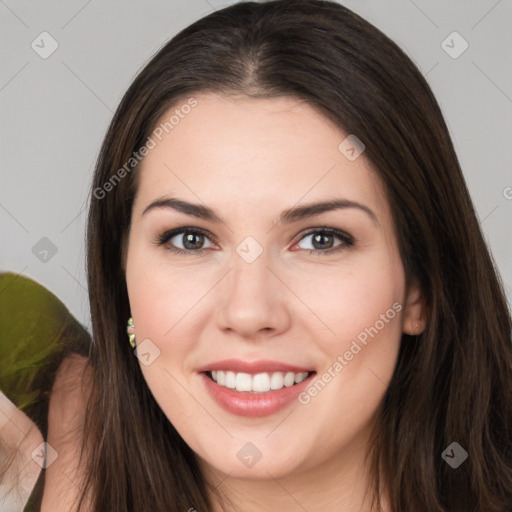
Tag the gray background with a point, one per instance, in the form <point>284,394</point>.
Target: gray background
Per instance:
<point>55,111</point>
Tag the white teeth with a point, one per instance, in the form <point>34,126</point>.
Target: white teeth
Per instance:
<point>243,382</point>
<point>221,378</point>
<point>276,381</point>
<point>289,379</point>
<point>259,383</point>
<point>230,380</point>
<point>299,377</point>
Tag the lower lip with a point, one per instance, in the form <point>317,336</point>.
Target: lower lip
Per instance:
<point>254,404</point>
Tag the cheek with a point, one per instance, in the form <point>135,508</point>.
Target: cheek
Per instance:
<point>155,293</point>
<point>353,299</point>
<point>163,303</point>
<point>363,310</point>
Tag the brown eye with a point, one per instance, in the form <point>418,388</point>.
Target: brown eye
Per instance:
<point>323,240</point>
<point>191,240</point>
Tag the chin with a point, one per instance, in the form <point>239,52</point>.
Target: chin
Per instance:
<point>250,463</point>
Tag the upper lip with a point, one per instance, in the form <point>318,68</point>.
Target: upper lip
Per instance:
<point>253,367</point>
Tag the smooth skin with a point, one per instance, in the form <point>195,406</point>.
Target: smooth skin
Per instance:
<point>66,414</point>
<point>249,160</point>
<point>19,438</point>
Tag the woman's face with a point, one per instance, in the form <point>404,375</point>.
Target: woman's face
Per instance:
<point>318,291</point>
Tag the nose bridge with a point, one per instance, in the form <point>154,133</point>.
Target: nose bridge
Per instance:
<point>250,299</point>
<point>251,278</point>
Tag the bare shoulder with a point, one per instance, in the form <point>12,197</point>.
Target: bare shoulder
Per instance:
<point>64,473</point>
<point>69,393</point>
<point>20,445</point>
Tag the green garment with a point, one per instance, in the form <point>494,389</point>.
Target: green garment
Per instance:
<point>36,333</point>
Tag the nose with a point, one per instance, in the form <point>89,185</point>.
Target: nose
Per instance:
<point>253,300</point>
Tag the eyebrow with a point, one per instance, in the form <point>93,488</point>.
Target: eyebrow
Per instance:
<point>287,216</point>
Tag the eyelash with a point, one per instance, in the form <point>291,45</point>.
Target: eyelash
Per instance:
<point>347,240</point>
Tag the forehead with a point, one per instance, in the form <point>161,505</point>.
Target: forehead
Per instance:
<point>242,151</point>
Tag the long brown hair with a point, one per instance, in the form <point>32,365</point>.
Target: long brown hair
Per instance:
<point>452,383</point>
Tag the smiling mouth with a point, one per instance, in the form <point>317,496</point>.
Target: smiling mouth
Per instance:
<point>263,382</point>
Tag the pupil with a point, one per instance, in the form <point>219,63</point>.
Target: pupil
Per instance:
<point>189,240</point>
<point>319,238</point>
<point>189,244</point>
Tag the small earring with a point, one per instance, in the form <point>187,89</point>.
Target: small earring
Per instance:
<point>130,329</point>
